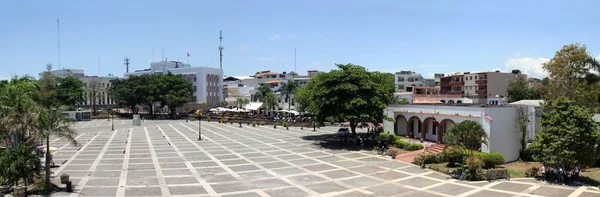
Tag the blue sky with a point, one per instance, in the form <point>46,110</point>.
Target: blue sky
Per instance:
<point>425,36</point>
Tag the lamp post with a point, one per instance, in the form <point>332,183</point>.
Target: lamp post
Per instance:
<point>112,121</point>
<point>199,126</point>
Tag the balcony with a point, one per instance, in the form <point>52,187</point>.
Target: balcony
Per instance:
<point>481,81</point>
<point>484,92</point>
<point>456,92</point>
<point>456,83</point>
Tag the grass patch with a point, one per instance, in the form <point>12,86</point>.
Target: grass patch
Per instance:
<point>399,150</point>
<point>516,173</point>
<point>590,176</point>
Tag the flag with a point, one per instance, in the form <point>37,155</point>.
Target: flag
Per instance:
<point>188,54</point>
<point>435,122</point>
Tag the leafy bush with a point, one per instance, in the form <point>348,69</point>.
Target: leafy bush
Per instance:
<point>399,143</point>
<point>492,159</point>
<point>428,158</point>
<point>532,172</point>
<point>262,123</point>
<point>208,118</point>
<point>253,123</point>
<point>275,125</point>
<point>286,124</point>
<point>414,147</point>
<point>248,123</point>
<point>527,154</point>
<point>454,156</point>
<point>301,126</point>
<point>474,166</point>
<point>392,152</point>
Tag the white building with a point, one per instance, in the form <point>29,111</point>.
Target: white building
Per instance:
<point>95,88</point>
<point>416,121</point>
<point>406,80</point>
<point>208,82</point>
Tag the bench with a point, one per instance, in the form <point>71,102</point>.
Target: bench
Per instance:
<point>497,174</point>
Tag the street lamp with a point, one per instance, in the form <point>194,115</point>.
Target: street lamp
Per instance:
<point>199,126</point>
<point>112,121</point>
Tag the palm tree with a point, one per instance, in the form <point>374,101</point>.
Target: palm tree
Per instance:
<point>53,122</point>
<point>288,89</point>
<point>468,135</point>
<point>17,108</point>
<point>261,92</point>
<point>270,101</point>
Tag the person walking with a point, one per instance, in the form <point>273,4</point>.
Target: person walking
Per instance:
<point>543,172</point>
<point>577,169</point>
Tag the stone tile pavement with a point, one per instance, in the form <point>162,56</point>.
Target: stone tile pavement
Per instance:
<point>164,158</point>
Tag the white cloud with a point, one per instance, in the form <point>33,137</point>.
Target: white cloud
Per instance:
<point>528,65</point>
<point>292,36</point>
<point>266,59</point>
<point>274,37</point>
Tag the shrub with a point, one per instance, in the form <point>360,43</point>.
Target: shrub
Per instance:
<point>274,125</point>
<point>286,124</point>
<point>527,154</point>
<point>532,172</point>
<point>262,123</point>
<point>414,147</point>
<point>454,156</point>
<point>474,166</point>
<point>492,159</point>
<point>401,144</point>
<point>301,126</point>
<point>253,123</point>
<point>392,152</point>
<point>429,158</point>
<point>248,123</point>
<point>208,118</point>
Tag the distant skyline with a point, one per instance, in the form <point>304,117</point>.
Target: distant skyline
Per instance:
<point>425,36</point>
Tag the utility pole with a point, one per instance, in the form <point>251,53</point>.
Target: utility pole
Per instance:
<point>221,48</point>
<point>126,64</point>
<point>294,61</point>
<point>58,37</point>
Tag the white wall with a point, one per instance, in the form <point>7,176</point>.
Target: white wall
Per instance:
<point>504,137</point>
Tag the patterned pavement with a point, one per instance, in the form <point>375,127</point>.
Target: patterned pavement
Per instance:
<point>164,158</point>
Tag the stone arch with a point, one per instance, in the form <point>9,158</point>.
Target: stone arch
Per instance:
<point>413,127</point>
<point>459,101</point>
<point>445,125</point>
<point>400,125</point>
<point>450,101</point>
<point>428,129</point>
<point>443,101</point>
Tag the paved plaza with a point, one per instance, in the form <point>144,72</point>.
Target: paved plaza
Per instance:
<point>164,158</point>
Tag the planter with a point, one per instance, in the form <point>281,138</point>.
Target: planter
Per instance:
<point>19,191</point>
<point>393,156</point>
<point>64,178</point>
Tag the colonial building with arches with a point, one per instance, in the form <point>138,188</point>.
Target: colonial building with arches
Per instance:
<point>430,122</point>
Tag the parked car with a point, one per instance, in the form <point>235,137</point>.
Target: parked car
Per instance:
<point>343,132</point>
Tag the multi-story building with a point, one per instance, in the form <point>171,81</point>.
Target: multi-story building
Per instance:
<point>479,86</point>
<point>406,80</point>
<point>95,88</point>
<point>208,82</point>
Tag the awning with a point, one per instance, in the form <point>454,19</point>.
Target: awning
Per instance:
<point>254,105</point>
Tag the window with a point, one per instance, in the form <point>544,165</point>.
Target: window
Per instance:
<point>401,79</point>
<point>508,79</point>
<point>471,78</point>
<point>434,130</point>
<point>194,78</point>
<point>292,101</point>
<point>195,89</point>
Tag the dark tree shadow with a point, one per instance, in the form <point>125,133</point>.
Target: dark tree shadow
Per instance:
<point>331,141</point>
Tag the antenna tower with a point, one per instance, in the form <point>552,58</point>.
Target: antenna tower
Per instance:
<point>221,48</point>
<point>126,64</point>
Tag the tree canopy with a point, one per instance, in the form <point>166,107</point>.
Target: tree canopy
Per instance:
<point>169,90</point>
<point>69,90</point>
<point>518,89</point>
<point>349,93</point>
<point>568,135</point>
<point>571,77</point>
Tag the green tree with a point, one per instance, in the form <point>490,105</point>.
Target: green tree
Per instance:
<point>19,164</point>
<point>270,101</point>
<point>350,93</point>
<point>69,91</point>
<point>261,92</point>
<point>18,110</point>
<point>518,89</point>
<point>174,91</point>
<point>288,89</point>
<point>568,135</point>
<point>51,121</point>
<point>128,92</point>
<point>468,135</point>
<point>223,104</point>
<point>521,120</point>
<point>568,70</point>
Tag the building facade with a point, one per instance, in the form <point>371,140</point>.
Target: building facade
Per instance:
<point>406,80</point>
<point>479,86</point>
<point>208,82</point>
<point>95,89</point>
<point>417,121</point>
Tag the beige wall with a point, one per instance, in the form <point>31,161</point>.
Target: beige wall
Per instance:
<point>497,83</point>
<point>470,85</point>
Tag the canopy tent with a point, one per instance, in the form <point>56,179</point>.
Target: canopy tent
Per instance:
<point>254,106</point>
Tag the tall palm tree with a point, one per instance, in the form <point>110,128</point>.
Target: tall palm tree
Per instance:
<point>270,101</point>
<point>53,122</point>
<point>467,135</point>
<point>261,92</point>
<point>288,89</point>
